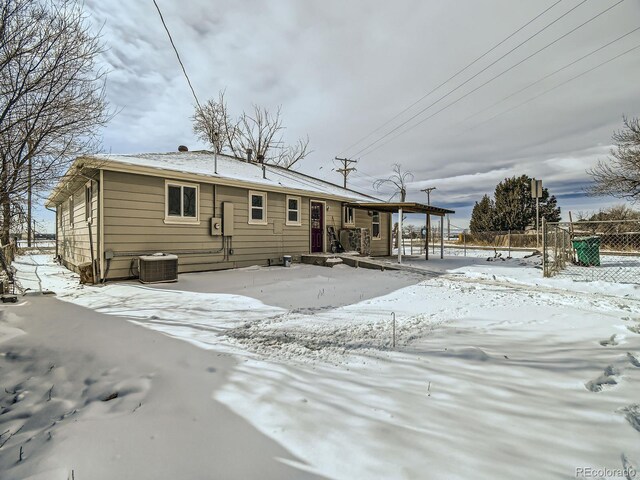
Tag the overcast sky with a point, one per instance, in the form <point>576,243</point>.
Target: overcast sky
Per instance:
<point>341,69</point>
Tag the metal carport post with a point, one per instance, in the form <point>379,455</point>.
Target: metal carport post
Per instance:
<point>441,236</point>
<point>399,235</point>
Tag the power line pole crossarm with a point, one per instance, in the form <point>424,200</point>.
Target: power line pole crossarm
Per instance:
<point>346,169</point>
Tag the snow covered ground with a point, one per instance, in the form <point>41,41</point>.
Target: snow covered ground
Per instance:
<point>496,372</point>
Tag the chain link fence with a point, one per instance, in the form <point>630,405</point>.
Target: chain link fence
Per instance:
<point>504,243</point>
<point>593,250</point>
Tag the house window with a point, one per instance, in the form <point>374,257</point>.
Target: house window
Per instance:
<point>181,202</point>
<point>71,211</point>
<point>348,216</point>
<point>375,226</point>
<point>88,197</point>
<point>257,208</point>
<point>293,211</point>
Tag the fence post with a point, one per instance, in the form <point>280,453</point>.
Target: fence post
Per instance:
<point>544,248</point>
<point>464,241</point>
<point>555,247</point>
<point>509,243</point>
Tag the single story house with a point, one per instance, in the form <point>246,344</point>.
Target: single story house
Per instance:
<point>212,211</point>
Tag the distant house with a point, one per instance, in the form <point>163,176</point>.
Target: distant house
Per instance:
<point>213,212</point>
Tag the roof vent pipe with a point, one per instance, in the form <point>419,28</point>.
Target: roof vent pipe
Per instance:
<point>249,152</point>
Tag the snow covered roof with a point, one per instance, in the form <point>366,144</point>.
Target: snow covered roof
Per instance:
<point>231,168</point>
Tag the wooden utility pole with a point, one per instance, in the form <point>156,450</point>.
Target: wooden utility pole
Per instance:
<point>346,169</point>
<point>428,192</point>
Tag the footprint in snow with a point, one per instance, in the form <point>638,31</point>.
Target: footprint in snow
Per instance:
<point>632,414</point>
<point>628,468</point>
<point>635,361</point>
<point>606,379</point>
<point>610,342</point>
<point>634,328</point>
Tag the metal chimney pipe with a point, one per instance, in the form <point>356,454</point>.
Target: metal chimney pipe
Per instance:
<point>249,153</point>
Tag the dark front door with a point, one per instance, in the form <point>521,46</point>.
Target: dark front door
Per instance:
<point>317,227</point>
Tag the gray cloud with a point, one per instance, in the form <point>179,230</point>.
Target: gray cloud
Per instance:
<point>340,69</point>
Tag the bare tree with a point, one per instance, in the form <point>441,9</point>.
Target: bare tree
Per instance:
<point>212,124</point>
<point>52,96</point>
<point>398,179</point>
<point>290,155</point>
<point>261,131</point>
<point>619,176</point>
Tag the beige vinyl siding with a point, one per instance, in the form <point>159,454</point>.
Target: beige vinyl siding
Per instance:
<point>134,224</point>
<point>379,247</point>
<point>73,241</point>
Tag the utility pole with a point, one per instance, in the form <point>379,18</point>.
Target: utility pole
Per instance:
<point>346,169</point>
<point>428,192</point>
<point>29,228</point>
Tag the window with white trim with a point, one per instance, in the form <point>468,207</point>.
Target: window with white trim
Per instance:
<point>348,215</point>
<point>293,211</point>
<point>182,201</point>
<point>375,226</point>
<point>257,208</point>
<point>71,211</point>
<point>88,201</point>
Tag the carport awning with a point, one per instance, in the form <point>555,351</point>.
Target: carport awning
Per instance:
<point>407,207</point>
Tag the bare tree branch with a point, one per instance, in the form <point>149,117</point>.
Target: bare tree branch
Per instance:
<point>212,124</point>
<point>260,131</point>
<point>619,175</point>
<point>398,180</point>
<point>52,95</point>
<point>292,154</point>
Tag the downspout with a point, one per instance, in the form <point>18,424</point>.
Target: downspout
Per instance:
<point>100,246</point>
<point>93,257</point>
<point>101,261</point>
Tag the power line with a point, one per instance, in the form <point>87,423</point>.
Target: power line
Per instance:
<point>362,173</point>
<point>559,85</point>
<point>485,83</point>
<point>177,54</point>
<point>451,77</point>
<point>474,76</point>
<point>550,75</point>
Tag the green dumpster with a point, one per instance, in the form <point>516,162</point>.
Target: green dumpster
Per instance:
<point>588,250</point>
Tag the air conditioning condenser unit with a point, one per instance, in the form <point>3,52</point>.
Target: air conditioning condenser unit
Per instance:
<point>158,268</point>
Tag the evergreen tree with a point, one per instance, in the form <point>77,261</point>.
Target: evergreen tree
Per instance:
<point>516,210</point>
<point>483,216</point>
<point>512,207</point>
